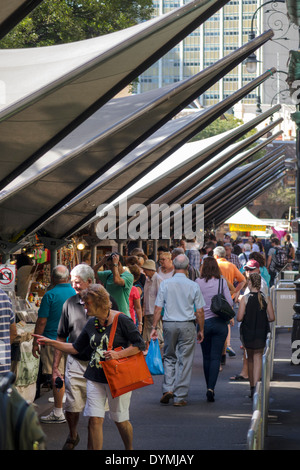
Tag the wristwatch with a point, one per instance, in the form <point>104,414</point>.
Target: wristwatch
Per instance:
<point>115,264</point>
<point>154,327</point>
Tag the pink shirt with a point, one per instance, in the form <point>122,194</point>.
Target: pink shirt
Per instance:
<point>134,294</point>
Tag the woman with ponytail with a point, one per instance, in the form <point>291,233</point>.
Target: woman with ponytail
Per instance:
<point>255,312</point>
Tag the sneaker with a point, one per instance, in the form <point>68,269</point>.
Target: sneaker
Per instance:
<point>52,418</point>
<point>230,351</point>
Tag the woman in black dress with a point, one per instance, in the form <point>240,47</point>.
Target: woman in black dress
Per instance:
<point>255,312</point>
<point>95,337</point>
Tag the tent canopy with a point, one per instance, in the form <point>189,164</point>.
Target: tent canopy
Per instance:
<point>51,90</point>
<point>78,207</point>
<point>13,11</point>
<point>245,221</point>
<point>117,130</point>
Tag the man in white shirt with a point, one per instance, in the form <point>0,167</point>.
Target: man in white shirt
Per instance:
<point>243,257</point>
<point>183,304</point>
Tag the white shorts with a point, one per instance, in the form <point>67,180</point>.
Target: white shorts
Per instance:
<point>97,393</point>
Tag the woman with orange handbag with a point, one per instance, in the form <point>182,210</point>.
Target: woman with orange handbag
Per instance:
<point>95,335</point>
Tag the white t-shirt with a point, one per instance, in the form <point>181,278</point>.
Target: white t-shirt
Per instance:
<point>163,275</point>
<point>255,248</point>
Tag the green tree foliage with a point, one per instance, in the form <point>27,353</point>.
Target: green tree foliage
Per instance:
<point>62,21</point>
<point>225,123</point>
<point>281,195</point>
<point>220,125</point>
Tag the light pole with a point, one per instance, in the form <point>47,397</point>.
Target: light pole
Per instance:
<point>251,62</point>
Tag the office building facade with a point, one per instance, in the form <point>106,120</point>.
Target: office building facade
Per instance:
<point>225,31</point>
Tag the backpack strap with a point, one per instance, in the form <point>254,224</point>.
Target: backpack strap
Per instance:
<point>19,423</point>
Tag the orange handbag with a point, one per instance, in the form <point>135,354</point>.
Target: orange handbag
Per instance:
<point>127,373</point>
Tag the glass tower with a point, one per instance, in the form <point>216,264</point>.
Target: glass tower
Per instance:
<point>225,31</point>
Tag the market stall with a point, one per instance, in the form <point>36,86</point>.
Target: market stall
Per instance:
<point>25,280</point>
<point>244,221</point>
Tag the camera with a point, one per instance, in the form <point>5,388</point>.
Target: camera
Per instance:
<point>58,382</point>
<point>110,258</point>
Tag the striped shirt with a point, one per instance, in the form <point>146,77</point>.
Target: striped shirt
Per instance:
<point>6,319</point>
<point>235,260</point>
<point>194,258</point>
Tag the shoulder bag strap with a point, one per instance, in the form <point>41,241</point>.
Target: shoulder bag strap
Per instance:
<point>222,292</point>
<point>113,331</point>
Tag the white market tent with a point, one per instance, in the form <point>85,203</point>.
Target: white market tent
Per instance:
<point>245,221</point>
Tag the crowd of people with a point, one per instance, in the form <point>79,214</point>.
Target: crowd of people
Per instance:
<point>166,300</point>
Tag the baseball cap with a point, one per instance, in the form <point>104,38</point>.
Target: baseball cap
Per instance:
<point>251,264</point>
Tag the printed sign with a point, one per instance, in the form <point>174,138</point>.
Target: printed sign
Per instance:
<point>246,228</point>
<point>7,276</point>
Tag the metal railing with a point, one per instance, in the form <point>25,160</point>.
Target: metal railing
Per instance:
<point>254,436</point>
<point>259,421</point>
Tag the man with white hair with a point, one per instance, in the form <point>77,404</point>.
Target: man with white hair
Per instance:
<point>229,271</point>
<point>244,256</point>
<point>72,322</point>
<point>192,272</point>
<point>183,305</point>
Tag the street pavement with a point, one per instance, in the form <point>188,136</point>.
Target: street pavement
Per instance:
<point>222,425</point>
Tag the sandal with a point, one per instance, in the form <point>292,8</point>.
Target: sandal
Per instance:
<point>239,378</point>
<point>167,396</point>
<point>70,444</point>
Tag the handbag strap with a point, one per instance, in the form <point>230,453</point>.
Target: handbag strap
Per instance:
<point>219,288</point>
<point>113,331</point>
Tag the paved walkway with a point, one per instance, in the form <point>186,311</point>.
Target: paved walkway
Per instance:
<point>222,425</point>
<point>284,405</point>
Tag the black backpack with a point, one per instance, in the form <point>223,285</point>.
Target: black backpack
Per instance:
<point>280,258</point>
<point>20,428</point>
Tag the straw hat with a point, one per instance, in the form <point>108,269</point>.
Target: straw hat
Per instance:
<point>149,264</point>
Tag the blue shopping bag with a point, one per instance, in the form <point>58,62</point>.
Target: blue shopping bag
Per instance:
<point>153,359</point>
